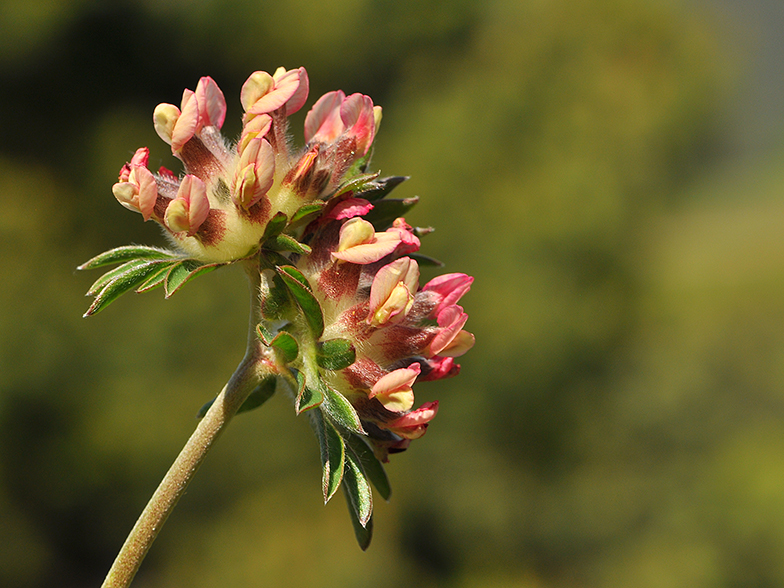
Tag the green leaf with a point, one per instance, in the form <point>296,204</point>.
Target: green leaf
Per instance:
<point>127,253</point>
<point>134,274</point>
<point>386,211</point>
<point>380,188</point>
<point>255,399</point>
<point>111,275</point>
<point>301,291</point>
<point>275,226</point>
<point>333,453</point>
<point>358,489</point>
<point>156,278</point>
<point>341,410</point>
<point>183,272</point>
<point>287,243</point>
<point>374,469</point>
<point>274,299</point>
<point>424,260</point>
<point>283,341</point>
<point>307,396</point>
<point>335,354</point>
<point>363,534</point>
<point>356,183</point>
<point>307,212</point>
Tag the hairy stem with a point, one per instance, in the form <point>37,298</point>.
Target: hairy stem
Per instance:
<point>253,368</point>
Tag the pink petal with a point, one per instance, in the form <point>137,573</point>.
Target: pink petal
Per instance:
<point>297,101</point>
<point>212,104</point>
<point>404,270</point>
<point>449,287</point>
<point>199,204</point>
<point>350,208</point>
<point>396,380</point>
<point>323,120</point>
<point>451,321</point>
<point>148,192</point>
<point>356,112</point>
<point>187,123</point>
<point>422,415</point>
<point>460,345</point>
<point>370,252</point>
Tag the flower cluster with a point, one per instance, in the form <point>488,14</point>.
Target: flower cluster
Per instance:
<point>343,318</point>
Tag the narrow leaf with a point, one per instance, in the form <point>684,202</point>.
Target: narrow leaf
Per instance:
<point>127,253</point>
<point>300,290</point>
<point>386,211</point>
<point>274,299</point>
<point>341,411</point>
<point>128,267</point>
<point>283,341</point>
<point>184,272</point>
<point>156,278</point>
<point>333,453</point>
<point>424,260</point>
<point>287,243</point>
<point>356,183</point>
<point>380,188</point>
<point>336,354</point>
<point>306,213</point>
<point>275,226</point>
<point>134,274</point>
<point>374,469</point>
<point>363,533</point>
<point>307,396</point>
<point>358,489</point>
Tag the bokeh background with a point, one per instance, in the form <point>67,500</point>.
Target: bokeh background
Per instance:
<point>611,173</point>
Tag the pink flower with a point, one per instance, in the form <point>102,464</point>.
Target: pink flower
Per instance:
<point>360,243</point>
<point>203,108</point>
<point>137,189</point>
<point>263,93</point>
<point>255,173</point>
<point>446,290</point>
<point>392,292</point>
<point>394,389</point>
<point>451,340</point>
<point>413,425</point>
<point>190,208</point>
<point>336,117</point>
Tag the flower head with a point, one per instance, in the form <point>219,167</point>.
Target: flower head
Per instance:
<point>342,319</point>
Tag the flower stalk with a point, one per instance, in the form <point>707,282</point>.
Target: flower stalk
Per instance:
<point>252,370</point>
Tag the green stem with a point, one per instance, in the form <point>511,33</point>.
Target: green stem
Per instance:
<point>253,368</point>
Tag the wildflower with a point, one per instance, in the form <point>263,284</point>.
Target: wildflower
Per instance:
<point>338,313</point>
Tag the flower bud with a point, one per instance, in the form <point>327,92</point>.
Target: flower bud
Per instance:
<point>190,208</point>
<point>392,292</point>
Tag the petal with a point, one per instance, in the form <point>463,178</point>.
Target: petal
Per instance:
<point>257,85</point>
<point>164,117</point>
<point>458,346</point>
<point>349,208</point>
<point>384,244</point>
<point>387,279</point>
<point>299,97</point>
<point>449,287</point>
<point>422,415</point>
<point>212,104</point>
<point>148,191</point>
<point>187,123</point>
<point>396,380</point>
<point>451,321</point>
<point>323,120</point>
<point>357,115</point>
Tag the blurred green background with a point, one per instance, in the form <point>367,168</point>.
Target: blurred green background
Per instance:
<point>611,173</point>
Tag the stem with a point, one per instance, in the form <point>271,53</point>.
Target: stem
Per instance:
<point>253,368</point>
